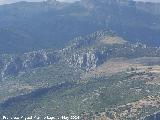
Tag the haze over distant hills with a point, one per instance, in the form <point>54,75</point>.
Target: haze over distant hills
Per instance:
<point>13,1</point>
<point>33,26</point>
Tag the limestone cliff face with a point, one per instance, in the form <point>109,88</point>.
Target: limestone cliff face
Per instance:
<point>13,64</point>
<point>87,60</point>
<point>84,60</point>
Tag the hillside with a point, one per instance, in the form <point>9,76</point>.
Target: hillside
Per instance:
<point>86,60</point>
<point>97,76</point>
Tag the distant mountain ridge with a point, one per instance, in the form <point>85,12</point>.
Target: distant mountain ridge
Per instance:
<point>41,25</point>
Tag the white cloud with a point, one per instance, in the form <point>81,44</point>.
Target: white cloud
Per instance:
<point>12,1</point>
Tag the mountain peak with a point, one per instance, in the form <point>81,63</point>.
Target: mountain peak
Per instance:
<point>96,2</point>
<point>98,38</point>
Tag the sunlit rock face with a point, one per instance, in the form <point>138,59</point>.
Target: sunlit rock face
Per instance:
<point>13,64</point>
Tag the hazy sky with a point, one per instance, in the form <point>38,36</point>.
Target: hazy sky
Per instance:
<point>11,1</point>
